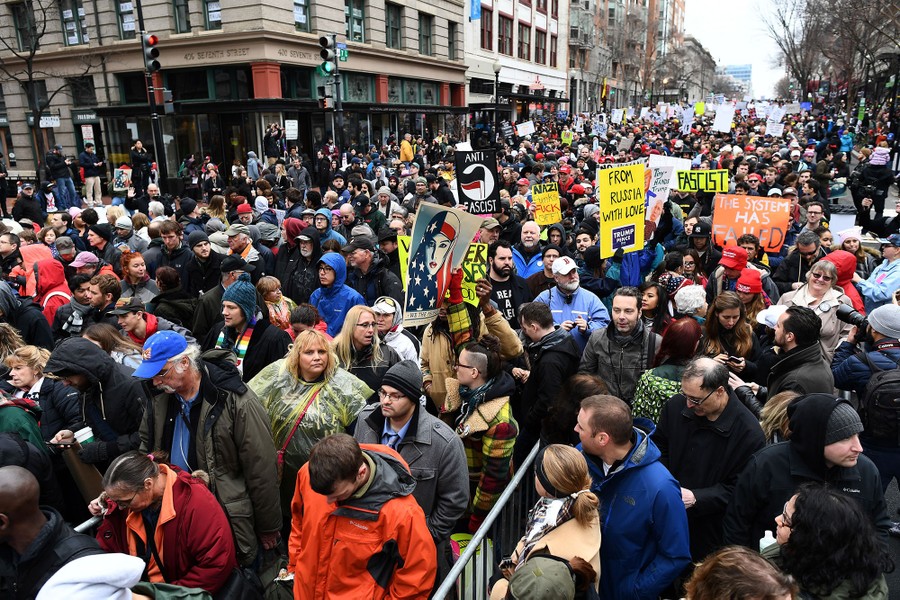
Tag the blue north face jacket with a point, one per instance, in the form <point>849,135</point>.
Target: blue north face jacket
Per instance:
<point>334,302</point>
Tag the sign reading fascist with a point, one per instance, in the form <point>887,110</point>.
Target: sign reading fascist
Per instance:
<point>478,186</point>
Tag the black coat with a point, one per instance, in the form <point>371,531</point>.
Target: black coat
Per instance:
<point>707,457</point>
<point>267,344</point>
<point>200,277</point>
<point>802,370</point>
<point>553,360</point>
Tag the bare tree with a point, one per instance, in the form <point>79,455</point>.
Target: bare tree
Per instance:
<point>33,21</point>
<point>783,88</point>
<point>799,32</point>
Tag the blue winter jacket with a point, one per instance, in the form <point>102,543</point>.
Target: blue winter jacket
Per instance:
<point>334,302</point>
<point>877,289</point>
<point>330,234</point>
<point>644,523</point>
<point>851,372</point>
<point>526,269</point>
<point>568,308</point>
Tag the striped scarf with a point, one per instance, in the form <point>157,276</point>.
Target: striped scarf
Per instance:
<point>239,347</point>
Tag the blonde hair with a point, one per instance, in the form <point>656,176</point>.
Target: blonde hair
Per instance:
<point>216,208</point>
<point>113,213</point>
<point>304,341</point>
<point>267,284</point>
<point>10,340</point>
<point>774,417</point>
<point>567,470</point>
<point>343,342</point>
<point>33,357</point>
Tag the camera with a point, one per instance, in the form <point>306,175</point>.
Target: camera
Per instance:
<point>850,315</point>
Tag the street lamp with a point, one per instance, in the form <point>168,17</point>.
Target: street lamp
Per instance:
<point>497,66</point>
<point>573,92</point>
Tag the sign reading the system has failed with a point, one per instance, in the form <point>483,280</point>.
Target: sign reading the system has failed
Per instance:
<point>479,188</point>
<point>621,194</point>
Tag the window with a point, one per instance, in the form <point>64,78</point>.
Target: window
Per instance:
<point>355,20</point>
<point>505,36</point>
<point>132,88</point>
<point>540,47</point>
<point>524,41</point>
<point>426,26</point>
<point>23,18</point>
<point>394,26</point>
<point>125,12</point>
<point>82,91</point>
<point>213,9</point>
<point>74,27</point>
<point>552,50</point>
<point>189,84</point>
<point>487,29</point>
<point>231,83</point>
<point>182,16</point>
<point>38,93</point>
<point>452,33</point>
<point>612,15</point>
<point>301,15</point>
<point>554,8</point>
<point>541,6</point>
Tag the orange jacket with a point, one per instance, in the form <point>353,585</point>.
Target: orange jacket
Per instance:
<point>374,547</point>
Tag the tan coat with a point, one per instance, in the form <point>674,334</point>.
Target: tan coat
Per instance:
<point>833,329</point>
<point>567,541</point>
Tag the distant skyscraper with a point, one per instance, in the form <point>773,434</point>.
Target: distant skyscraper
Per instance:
<point>743,73</point>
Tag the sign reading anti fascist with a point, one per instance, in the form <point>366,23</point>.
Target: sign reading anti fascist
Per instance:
<point>766,218</point>
<point>703,181</point>
<point>621,194</point>
<point>479,189</point>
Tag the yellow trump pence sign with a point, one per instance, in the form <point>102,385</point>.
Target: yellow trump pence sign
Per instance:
<point>545,197</point>
<point>621,194</point>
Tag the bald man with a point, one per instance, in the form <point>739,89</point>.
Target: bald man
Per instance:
<point>35,542</point>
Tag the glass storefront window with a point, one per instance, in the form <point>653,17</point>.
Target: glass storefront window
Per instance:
<point>410,92</point>
<point>395,93</point>
<point>358,88</point>
<point>188,84</point>
<point>430,93</point>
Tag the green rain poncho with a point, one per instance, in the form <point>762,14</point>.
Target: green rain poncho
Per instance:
<point>339,401</point>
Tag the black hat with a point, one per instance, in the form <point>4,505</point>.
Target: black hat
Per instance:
<point>188,205</point>
<point>360,202</point>
<point>235,263</point>
<point>360,242</point>
<point>196,237</point>
<point>406,377</point>
<point>103,230</point>
<point>701,230</point>
<point>386,233</point>
<point>128,305</point>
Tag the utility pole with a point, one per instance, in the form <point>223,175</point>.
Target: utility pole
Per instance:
<point>151,65</point>
<point>329,68</point>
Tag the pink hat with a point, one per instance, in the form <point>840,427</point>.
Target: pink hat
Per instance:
<point>84,258</point>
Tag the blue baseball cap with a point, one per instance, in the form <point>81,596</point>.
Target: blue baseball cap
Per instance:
<point>159,349</point>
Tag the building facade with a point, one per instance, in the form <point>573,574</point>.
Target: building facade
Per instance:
<point>233,68</point>
<point>526,41</point>
<point>699,70</point>
<point>743,74</point>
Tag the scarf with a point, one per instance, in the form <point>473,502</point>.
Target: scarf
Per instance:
<point>239,345</point>
<point>471,399</point>
<point>547,515</point>
<point>75,321</point>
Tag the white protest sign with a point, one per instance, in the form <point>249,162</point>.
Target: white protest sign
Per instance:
<point>724,115</point>
<point>526,128</point>
<point>645,111</point>
<point>658,161</point>
<point>291,129</point>
<point>617,115</point>
<point>774,128</point>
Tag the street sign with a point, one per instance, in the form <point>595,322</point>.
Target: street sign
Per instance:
<point>343,54</point>
<point>341,45</point>
<point>50,121</point>
<point>290,129</point>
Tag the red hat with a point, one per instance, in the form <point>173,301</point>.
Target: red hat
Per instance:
<point>749,148</point>
<point>539,156</point>
<point>577,190</point>
<point>754,176</point>
<point>523,181</point>
<point>750,282</point>
<point>565,169</point>
<point>734,257</point>
<point>244,209</point>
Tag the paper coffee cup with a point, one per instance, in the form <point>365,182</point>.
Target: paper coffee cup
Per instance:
<point>84,436</point>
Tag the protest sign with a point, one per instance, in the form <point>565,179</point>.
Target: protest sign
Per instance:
<point>526,128</point>
<point>477,182</point>
<point>121,179</point>
<point>774,128</point>
<point>658,194</point>
<point>724,115</point>
<point>645,112</point>
<point>715,180</point>
<point>474,267</point>
<point>793,108</point>
<point>621,194</point>
<point>677,164</point>
<point>440,242</point>
<point>403,242</point>
<point>699,109</point>
<point>617,115</point>
<point>545,198</point>
<point>566,137</point>
<point>766,218</point>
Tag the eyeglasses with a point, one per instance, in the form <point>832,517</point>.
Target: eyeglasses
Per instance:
<point>688,264</point>
<point>370,325</point>
<point>821,276</point>
<point>385,396</point>
<point>813,253</point>
<point>462,366</point>
<point>325,268</point>
<point>785,519</point>
<point>163,375</point>
<point>124,504</point>
<point>692,400</point>
<point>814,212</point>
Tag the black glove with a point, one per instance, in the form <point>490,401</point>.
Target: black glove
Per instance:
<point>617,257</point>
<point>98,452</point>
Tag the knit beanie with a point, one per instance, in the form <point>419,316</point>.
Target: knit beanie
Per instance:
<point>843,423</point>
<point>880,156</point>
<point>195,237</point>
<point>886,320</point>
<point>242,293</point>
<point>406,377</point>
<point>103,230</point>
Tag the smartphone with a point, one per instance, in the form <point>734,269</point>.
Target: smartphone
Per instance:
<point>62,445</point>
<point>734,359</point>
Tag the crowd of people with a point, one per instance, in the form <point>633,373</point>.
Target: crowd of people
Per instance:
<point>224,377</point>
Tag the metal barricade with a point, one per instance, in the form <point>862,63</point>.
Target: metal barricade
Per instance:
<point>496,538</point>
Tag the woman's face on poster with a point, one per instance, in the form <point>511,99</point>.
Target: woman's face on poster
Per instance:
<point>436,252</point>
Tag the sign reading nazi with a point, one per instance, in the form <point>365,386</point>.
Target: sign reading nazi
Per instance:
<point>477,182</point>
<point>703,181</point>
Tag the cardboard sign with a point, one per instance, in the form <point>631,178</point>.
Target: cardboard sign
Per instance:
<point>766,218</point>
<point>440,242</point>
<point>621,194</point>
<point>566,137</point>
<point>474,267</point>
<point>545,198</point>
<point>658,194</point>
<point>121,179</point>
<point>715,180</point>
<point>477,183</point>
<point>526,128</point>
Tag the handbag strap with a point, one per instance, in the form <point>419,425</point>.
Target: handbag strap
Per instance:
<point>151,543</point>
<point>296,425</point>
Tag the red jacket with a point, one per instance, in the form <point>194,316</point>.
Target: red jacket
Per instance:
<point>374,547</point>
<point>50,287</point>
<point>193,537</point>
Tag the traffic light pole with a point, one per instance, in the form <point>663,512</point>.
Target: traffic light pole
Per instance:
<point>338,103</point>
<point>155,125</point>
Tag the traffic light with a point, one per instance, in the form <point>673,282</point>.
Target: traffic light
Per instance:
<point>326,95</point>
<point>328,54</point>
<point>149,42</point>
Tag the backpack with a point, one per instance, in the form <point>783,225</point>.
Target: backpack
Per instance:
<point>879,408</point>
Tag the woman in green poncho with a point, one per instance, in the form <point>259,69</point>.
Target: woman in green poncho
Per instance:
<point>308,397</point>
